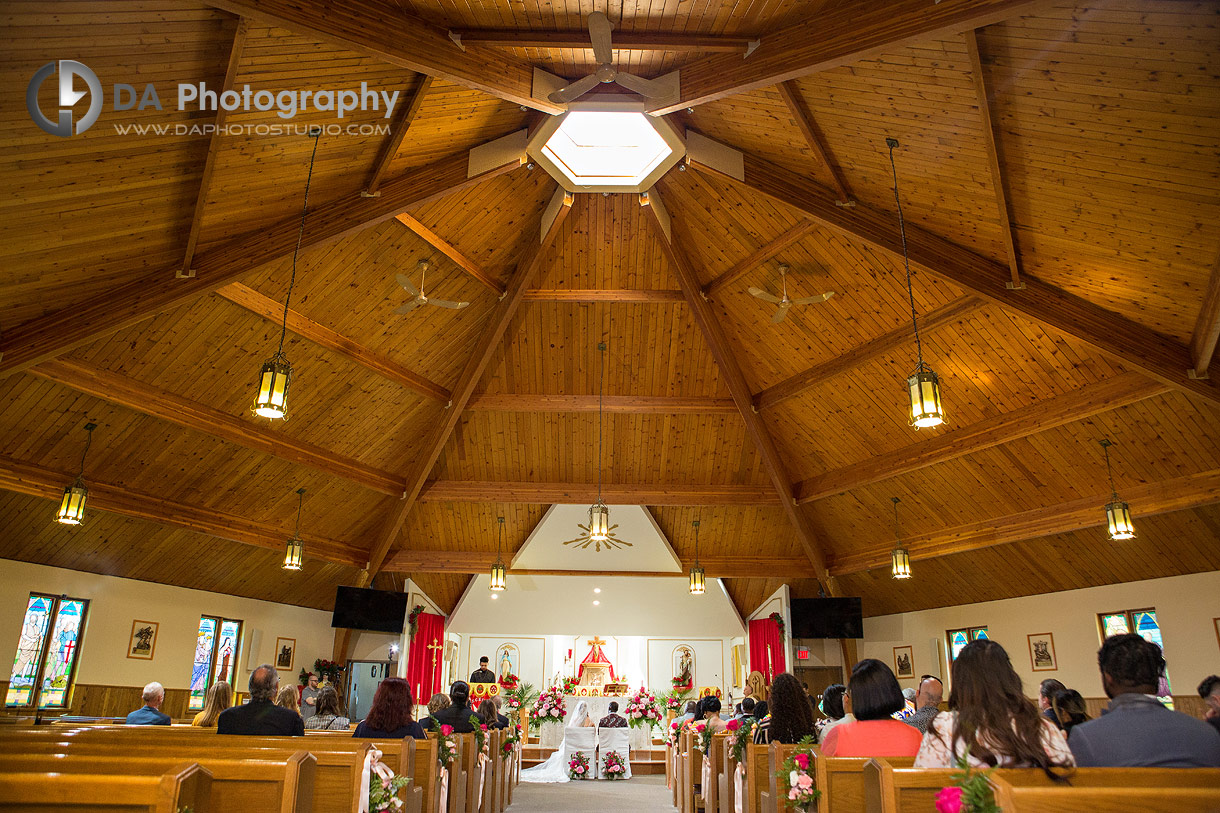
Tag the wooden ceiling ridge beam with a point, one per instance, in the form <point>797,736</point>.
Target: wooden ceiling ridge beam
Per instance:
<point>393,141</point>
<point>803,117</point>
<point>623,40</point>
<point>1122,390</point>
<point>158,403</point>
<point>595,295</point>
<point>1207,326</point>
<point>383,30</point>
<point>1149,499</point>
<point>726,362</point>
<point>683,494</point>
<point>530,261</point>
<point>466,561</point>
<point>622,404</point>
<point>995,160</point>
<point>833,36</point>
<point>209,161</point>
<point>759,256</point>
<point>1134,344</point>
<point>467,265</point>
<point>264,306</point>
<point>65,329</point>
<point>37,481</point>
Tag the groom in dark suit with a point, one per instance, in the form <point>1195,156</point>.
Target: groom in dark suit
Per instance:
<point>613,719</point>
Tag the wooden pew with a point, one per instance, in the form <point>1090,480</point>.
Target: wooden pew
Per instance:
<point>187,785</point>
<point>757,778</point>
<point>725,790</point>
<point>841,781</point>
<point>1109,790</point>
<point>713,761</point>
<point>891,789</point>
<point>777,786</point>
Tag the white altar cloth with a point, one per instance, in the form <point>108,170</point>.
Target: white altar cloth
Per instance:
<point>551,735</point>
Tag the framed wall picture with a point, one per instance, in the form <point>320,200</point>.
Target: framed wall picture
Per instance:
<point>285,652</point>
<point>904,662</point>
<point>1042,652</point>
<point>143,642</point>
<point>1216,623</point>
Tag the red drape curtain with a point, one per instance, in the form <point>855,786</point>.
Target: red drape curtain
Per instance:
<point>766,649</point>
<point>423,672</point>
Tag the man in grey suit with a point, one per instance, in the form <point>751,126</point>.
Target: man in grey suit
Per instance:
<point>1136,730</point>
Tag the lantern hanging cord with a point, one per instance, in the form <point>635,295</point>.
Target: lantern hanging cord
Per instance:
<point>896,534</point>
<point>906,261</point>
<point>1105,445</point>
<point>300,503</point>
<point>89,427</point>
<point>601,397</point>
<point>300,236</point>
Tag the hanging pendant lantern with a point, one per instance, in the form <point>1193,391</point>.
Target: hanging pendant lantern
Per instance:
<point>698,583</point>
<point>294,552</point>
<point>498,571</point>
<point>72,505</point>
<point>599,521</point>
<point>1118,513</point>
<point>900,557</point>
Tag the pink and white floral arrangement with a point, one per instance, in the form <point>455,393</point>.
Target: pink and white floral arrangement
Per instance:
<point>578,766</point>
<point>612,766</point>
<point>642,710</point>
<point>549,707</point>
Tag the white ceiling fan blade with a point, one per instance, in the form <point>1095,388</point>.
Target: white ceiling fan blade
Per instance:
<point>638,84</point>
<point>444,303</point>
<point>810,300</point>
<point>407,308</point>
<point>575,90</point>
<point>781,313</point>
<point>763,295</point>
<point>406,284</point>
<point>599,33</point>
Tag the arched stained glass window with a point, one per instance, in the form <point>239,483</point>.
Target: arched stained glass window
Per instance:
<point>48,650</point>
<point>216,646</point>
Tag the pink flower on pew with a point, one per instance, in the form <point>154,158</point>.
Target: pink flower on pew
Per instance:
<point>446,730</point>
<point>733,725</point>
<point>700,728</point>
<point>949,800</point>
<point>802,759</point>
<point>804,782</point>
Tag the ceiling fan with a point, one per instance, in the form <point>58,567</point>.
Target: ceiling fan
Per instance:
<point>785,303</point>
<point>599,35</point>
<point>420,298</point>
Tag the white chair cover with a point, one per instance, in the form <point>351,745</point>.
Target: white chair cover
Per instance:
<point>583,740</point>
<point>614,739</point>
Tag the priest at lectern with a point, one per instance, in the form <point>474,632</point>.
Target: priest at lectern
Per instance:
<point>483,674</point>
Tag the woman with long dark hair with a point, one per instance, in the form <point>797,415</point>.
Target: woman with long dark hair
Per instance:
<point>390,716</point>
<point>990,715</point>
<point>1069,709</point>
<point>874,694</point>
<point>487,714</point>
<point>791,717</point>
<point>329,716</point>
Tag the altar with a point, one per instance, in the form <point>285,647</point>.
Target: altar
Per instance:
<point>551,735</point>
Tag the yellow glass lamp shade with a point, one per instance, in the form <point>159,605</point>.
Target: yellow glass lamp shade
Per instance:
<point>900,563</point>
<point>923,387</point>
<point>698,584</point>
<point>498,576</point>
<point>293,554</point>
<point>72,506</point>
<point>273,381</point>
<point>599,522</point>
<point>1118,520</point>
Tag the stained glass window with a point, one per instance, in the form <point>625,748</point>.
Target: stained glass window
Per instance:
<point>959,638</point>
<point>47,652</point>
<point>1113,624</point>
<point>216,647</point>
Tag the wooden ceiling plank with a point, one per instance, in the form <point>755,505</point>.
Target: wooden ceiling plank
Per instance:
<point>591,295</point>
<point>1092,399</point>
<point>1207,326</point>
<point>720,567</point>
<point>1177,494</point>
<point>834,36</point>
<point>991,136</point>
<point>758,257</point>
<point>623,40</point>
<point>947,314</point>
<point>1132,343</point>
<point>527,270</point>
<point>209,162</point>
<point>717,341</point>
<point>60,331</point>
<point>463,262</point>
<point>382,29</point>
<point>37,481</point>
<point>625,404</point>
<point>791,94</point>
<point>579,493</point>
<point>389,148</point>
<point>306,328</point>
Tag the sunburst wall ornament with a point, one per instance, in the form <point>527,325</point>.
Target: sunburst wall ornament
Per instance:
<point>599,532</point>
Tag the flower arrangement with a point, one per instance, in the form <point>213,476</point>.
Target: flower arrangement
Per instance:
<point>446,748</point>
<point>569,683</point>
<point>413,619</point>
<point>578,766</point>
<point>802,795</point>
<point>675,731</point>
<point>674,700</point>
<point>739,737</point>
<point>779,622</point>
<point>509,682</point>
<point>642,710</point>
<point>970,793</point>
<point>682,685</point>
<point>548,708</point>
<point>509,744</point>
<point>327,670</point>
<point>384,785</point>
<point>612,766</point>
<point>480,733</point>
<point>517,698</point>
<point>703,738</point>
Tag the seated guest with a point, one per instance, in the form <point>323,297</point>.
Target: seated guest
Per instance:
<point>390,716</point>
<point>989,714</point>
<point>791,715</point>
<point>711,713</point>
<point>613,719</point>
<point>287,699</point>
<point>501,720</point>
<point>927,703</point>
<point>688,713</point>
<point>219,698</point>
<point>1069,709</point>
<point>487,714</point>
<point>834,706</point>
<point>1136,730</point>
<point>1047,690</point>
<point>875,695</point>
<point>261,717</point>
<point>483,674</point>
<point>438,701</point>
<point>908,706</point>
<point>457,714</point>
<point>746,708</point>
<point>329,716</point>
<point>1209,690</point>
<point>150,714</point>
<point>761,711</point>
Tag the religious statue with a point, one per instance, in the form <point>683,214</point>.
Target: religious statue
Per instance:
<point>595,669</point>
<point>685,675</point>
<point>506,664</point>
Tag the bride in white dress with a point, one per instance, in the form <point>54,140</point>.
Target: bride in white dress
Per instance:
<point>555,769</point>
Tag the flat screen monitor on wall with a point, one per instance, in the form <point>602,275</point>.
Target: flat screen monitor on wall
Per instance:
<point>376,610</point>
<point>827,618</point>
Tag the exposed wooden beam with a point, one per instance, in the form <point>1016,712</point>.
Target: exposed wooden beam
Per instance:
<point>1207,326</point>
<point>713,333</point>
<point>306,328</point>
<point>995,161</point>
<point>626,404</point>
<point>591,295</point>
<point>623,40</point>
<point>716,567</point>
<point>1180,493</point>
<point>1132,343</point>
<point>947,314</point>
<point>791,94</point>
<point>382,29</point>
<point>62,330</point>
<point>449,250</point>
<point>833,36</point>
<point>424,459</point>
<point>390,147</point>
<point>38,481</point>
<point>1091,399</point>
<point>758,257</point>
<point>209,162</point>
<point>579,493</point>
<point>166,406</point>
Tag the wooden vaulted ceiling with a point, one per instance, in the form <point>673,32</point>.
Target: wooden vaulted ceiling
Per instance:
<point>1073,147</point>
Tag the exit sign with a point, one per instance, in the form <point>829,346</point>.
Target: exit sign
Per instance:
<point>802,654</point>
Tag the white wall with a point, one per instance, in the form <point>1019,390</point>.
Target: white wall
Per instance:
<point>114,603</point>
<point>1185,608</point>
